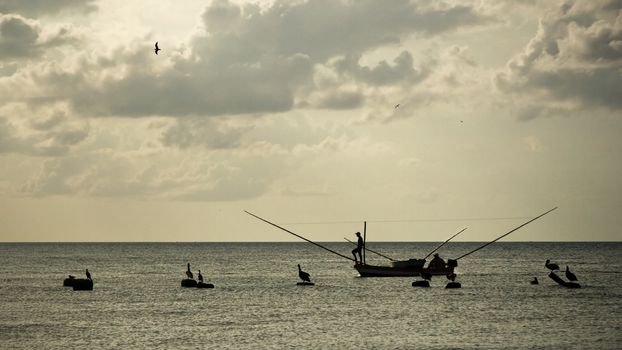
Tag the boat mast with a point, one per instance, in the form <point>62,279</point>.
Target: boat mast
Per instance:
<point>364,241</point>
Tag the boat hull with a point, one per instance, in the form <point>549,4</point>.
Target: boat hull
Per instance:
<point>366,270</point>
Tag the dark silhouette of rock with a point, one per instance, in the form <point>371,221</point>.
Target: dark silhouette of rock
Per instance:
<point>82,284</point>
<point>189,283</point>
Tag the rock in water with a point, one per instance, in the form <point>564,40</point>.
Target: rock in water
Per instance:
<point>82,284</point>
<point>422,283</point>
<point>204,285</point>
<point>189,283</point>
<point>453,285</point>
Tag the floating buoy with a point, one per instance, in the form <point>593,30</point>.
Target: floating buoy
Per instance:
<point>453,285</point>
<point>422,283</point>
<point>82,284</point>
<point>204,285</point>
<point>563,283</point>
<point>190,283</point>
<point>305,283</point>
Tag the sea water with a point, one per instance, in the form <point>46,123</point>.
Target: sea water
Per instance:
<point>137,301</point>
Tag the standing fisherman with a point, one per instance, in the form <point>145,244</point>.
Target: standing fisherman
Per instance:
<point>359,248</point>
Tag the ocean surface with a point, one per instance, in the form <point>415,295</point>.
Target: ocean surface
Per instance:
<point>137,301</point>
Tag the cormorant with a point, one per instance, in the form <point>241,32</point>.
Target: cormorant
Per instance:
<point>88,274</point>
<point>569,275</point>
<point>156,48</point>
<point>188,273</point>
<point>551,266</point>
<point>303,275</point>
<point>200,277</point>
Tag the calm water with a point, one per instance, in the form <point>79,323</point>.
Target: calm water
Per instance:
<point>138,303</point>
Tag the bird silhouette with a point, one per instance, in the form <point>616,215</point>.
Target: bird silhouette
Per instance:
<point>88,274</point>
<point>156,48</point>
<point>189,273</point>
<point>396,106</point>
<point>569,275</point>
<point>200,277</point>
<point>303,275</point>
<point>551,266</point>
<point>534,280</point>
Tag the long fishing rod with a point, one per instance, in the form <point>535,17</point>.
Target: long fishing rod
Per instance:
<point>297,235</point>
<point>534,219</point>
<point>442,244</point>
<point>382,255</point>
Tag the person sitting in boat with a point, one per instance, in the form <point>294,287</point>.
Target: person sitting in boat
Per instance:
<point>437,263</point>
<point>358,249</point>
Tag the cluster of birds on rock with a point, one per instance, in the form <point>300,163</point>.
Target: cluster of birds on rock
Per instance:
<point>570,276</point>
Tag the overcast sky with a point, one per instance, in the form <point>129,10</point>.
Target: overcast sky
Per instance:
<point>288,109</point>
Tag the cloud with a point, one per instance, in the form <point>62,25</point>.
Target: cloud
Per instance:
<point>21,38</point>
<point>249,60</point>
<point>402,70</point>
<point>574,60</point>
<point>35,8</point>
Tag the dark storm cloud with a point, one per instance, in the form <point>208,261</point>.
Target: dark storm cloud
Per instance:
<point>35,8</point>
<point>575,57</point>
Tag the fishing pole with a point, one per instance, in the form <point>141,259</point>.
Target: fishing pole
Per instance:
<point>297,235</point>
<point>516,228</point>
<point>384,256</point>
<point>442,244</point>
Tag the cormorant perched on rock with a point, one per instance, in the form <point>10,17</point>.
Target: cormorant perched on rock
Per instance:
<point>189,273</point>
<point>303,275</point>
<point>569,275</point>
<point>534,280</point>
<point>88,274</point>
<point>551,266</point>
<point>200,277</point>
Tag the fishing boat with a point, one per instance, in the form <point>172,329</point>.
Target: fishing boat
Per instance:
<point>415,269</point>
<point>402,268</point>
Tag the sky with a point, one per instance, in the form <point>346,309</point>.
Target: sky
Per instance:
<point>419,117</point>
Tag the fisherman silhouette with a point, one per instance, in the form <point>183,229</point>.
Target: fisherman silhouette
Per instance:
<point>437,263</point>
<point>359,248</point>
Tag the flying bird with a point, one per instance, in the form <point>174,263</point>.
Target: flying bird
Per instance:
<point>569,275</point>
<point>396,106</point>
<point>303,275</point>
<point>551,266</point>
<point>88,274</point>
<point>156,48</point>
<point>189,273</point>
